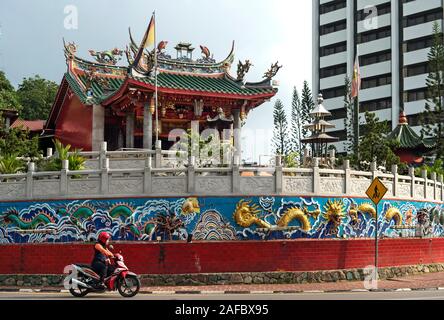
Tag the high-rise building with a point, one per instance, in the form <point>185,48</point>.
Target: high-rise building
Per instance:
<point>392,39</point>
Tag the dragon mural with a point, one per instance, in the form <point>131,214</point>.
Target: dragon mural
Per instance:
<point>214,219</point>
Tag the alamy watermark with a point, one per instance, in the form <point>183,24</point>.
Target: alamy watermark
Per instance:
<point>371,21</point>
<point>71,21</point>
<point>371,278</point>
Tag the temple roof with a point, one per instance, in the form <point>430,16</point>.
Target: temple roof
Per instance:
<point>408,138</point>
<point>102,80</point>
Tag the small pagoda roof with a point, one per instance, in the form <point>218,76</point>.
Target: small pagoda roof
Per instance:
<point>320,138</point>
<point>317,123</point>
<point>319,110</point>
<point>408,138</point>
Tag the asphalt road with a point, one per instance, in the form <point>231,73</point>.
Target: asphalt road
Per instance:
<point>403,295</point>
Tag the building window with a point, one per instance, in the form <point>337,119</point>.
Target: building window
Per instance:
<point>338,114</point>
<point>377,81</point>
<point>333,27</point>
<point>374,35</point>
<point>381,10</point>
<point>418,44</point>
<point>333,49</point>
<point>333,71</point>
<point>334,92</point>
<point>375,58</point>
<point>374,105</point>
<point>415,95</point>
<point>332,6</point>
<point>416,69</point>
<point>423,17</point>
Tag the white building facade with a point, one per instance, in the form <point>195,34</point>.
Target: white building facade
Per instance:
<point>392,38</point>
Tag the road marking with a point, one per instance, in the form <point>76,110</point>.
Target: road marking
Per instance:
<point>164,292</point>
<point>212,292</point>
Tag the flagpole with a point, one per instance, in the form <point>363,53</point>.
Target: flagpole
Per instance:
<point>155,81</point>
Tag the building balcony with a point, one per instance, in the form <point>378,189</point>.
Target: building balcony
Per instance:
<point>333,59</point>
<point>333,16</point>
<point>415,82</point>
<point>420,6</point>
<point>332,82</point>
<point>374,46</point>
<point>382,21</point>
<point>332,38</point>
<point>376,93</point>
<point>376,69</point>
<point>416,56</point>
<point>420,30</point>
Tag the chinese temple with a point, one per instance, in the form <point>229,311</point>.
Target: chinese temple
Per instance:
<point>101,100</point>
<point>411,147</point>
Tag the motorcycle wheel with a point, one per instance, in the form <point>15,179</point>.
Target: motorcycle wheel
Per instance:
<point>79,292</point>
<point>129,286</point>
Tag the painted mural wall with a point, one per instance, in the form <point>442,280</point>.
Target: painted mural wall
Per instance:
<point>218,219</point>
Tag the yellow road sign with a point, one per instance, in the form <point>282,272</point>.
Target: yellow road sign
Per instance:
<point>376,191</point>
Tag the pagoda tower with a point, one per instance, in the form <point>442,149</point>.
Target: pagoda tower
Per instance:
<point>319,139</point>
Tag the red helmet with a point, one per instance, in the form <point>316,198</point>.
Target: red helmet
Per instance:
<point>103,237</point>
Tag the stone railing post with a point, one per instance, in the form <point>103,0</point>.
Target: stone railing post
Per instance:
<point>30,180</point>
<point>147,177</point>
<point>412,182</point>
<point>395,179</point>
<point>426,180</point>
<point>236,176</point>
<point>102,156</point>
<point>64,177</point>
<point>158,158</point>
<point>347,177</point>
<point>374,170</point>
<point>441,179</point>
<point>316,176</point>
<point>434,184</point>
<point>191,175</point>
<point>278,175</point>
<point>48,152</point>
<point>104,177</point>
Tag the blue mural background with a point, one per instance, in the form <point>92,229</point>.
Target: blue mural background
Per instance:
<point>212,218</point>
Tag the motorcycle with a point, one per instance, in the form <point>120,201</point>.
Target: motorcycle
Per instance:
<point>83,280</point>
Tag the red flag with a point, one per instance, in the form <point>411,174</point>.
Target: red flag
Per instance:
<point>148,40</point>
<point>356,82</point>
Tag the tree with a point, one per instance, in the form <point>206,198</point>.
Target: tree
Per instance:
<point>296,123</point>
<point>36,95</point>
<point>349,122</point>
<point>307,105</point>
<point>15,142</point>
<point>374,145</point>
<point>432,118</point>
<point>280,134</point>
<point>8,95</point>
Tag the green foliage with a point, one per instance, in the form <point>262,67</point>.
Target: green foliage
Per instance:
<point>36,95</point>
<point>10,164</point>
<point>374,145</point>
<point>291,160</point>
<point>280,133</point>
<point>437,167</point>
<point>14,141</point>
<point>75,160</point>
<point>296,123</point>
<point>307,105</point>
<point>207,150</point>
<point>8,95</point>
<point>432,119</point>
<point>350,122</point>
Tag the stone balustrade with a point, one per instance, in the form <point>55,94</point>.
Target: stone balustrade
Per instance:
<point>143,173</point>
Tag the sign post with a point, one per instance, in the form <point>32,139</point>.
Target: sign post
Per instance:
<point>376,192</point>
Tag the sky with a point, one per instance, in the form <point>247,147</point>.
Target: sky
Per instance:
<point>265,31</point>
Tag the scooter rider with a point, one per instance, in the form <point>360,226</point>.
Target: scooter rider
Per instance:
<point>102,255</point>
